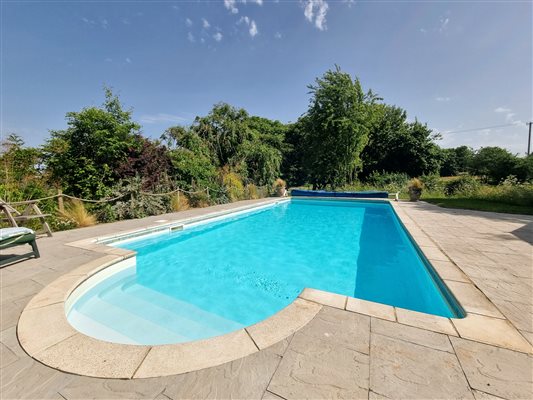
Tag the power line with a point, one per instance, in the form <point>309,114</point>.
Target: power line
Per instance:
<point>480,129</point>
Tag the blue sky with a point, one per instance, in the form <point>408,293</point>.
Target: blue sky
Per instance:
<point>454,65</point>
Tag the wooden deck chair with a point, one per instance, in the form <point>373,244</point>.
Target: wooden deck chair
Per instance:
<point>11,237</point>
<point>31,211</point>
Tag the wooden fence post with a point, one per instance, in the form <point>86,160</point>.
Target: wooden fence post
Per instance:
<point>60,204</point>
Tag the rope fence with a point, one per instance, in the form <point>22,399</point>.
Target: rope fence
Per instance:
<point>60,195</point>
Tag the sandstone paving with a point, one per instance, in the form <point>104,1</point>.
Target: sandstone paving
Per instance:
<point>411,334</point>
<point>494,370</point>
<point>399,369</point>
<point>245,378</point>
<point>320,368</point>
<point>346,329</point>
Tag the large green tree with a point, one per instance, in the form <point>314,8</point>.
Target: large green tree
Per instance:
<point>336,129</point>
<point>84,158</point>
<point>20,170</point>
<point>494,164</point>
<point>224,130</point>
<point>396,145</point>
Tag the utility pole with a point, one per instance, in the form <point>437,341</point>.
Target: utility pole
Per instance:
<point>529,139</point>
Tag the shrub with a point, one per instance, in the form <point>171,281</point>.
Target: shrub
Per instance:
<point>135,204</point>
<point>251,192</point>
<point>389,181</point>
<point>464,185</point>
<point>432,183</point>
<point>279,187</point>
<point>234,186</point>
<point>199,199</point>
<point>415,184</point>
<point>76,212</point>
<point>179,202</point>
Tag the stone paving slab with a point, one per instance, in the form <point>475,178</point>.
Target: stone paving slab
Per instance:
<point>399,369</point>
<point>502,372</point>
<point>407,356</point>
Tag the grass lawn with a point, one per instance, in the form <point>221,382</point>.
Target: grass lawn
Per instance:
<point>481,205</point>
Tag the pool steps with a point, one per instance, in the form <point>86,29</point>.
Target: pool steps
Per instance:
<point>177,321</point>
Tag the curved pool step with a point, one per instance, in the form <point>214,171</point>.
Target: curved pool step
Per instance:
<point>177,316</point>
<point>97,313</point>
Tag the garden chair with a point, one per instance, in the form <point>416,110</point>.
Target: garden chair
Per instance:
<point>31,211</point>
<point>11,237</point>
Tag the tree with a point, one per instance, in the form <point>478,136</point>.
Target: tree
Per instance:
<point>148,159</point>
<point>190,156</point>
<point>336,126</point>
<point>21,172</point>
<point>396,145</point>
<point>494,163</point>
<point>84,158</point>
<point>224,129</point>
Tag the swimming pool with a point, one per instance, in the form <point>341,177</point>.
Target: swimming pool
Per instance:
<point>215,277</point>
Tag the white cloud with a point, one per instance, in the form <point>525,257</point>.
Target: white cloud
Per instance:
<point>125,21</point>
<point>277,35</point>
<point>160,117</point>
<point>509,115</point>
<point>502,110</point>
<point>217,36</point>
<point>108,59</point>
<point>104,23</point>
<point>444,24</point>
<point>258,2</point>
<point>230,5</point>
<point>205,23</point>
<point>443,99</point>
<point>252,26</point>
<point>128,60</point>
<point>190,37</point>
<point>202,40</point>
<point>253,29</point>
<point>316,10</point>
<point>244,19</point>
<point>188,22</point>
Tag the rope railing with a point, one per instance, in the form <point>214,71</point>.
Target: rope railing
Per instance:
<point>60,195</point>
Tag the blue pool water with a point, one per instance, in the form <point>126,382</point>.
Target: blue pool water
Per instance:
<point>218,277</point>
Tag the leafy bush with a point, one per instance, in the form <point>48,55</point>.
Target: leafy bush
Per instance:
<point>76,212</point>
<point>135,204</point>
<point>464,185</point>
<point>234,186</point>
<point>199,199</point>
<point>251,192</point>
<point>432,183</point>
<point>389,181</point>
<point>520,194</point>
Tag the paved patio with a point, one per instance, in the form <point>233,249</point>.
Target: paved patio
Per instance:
<point>339,354</point>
